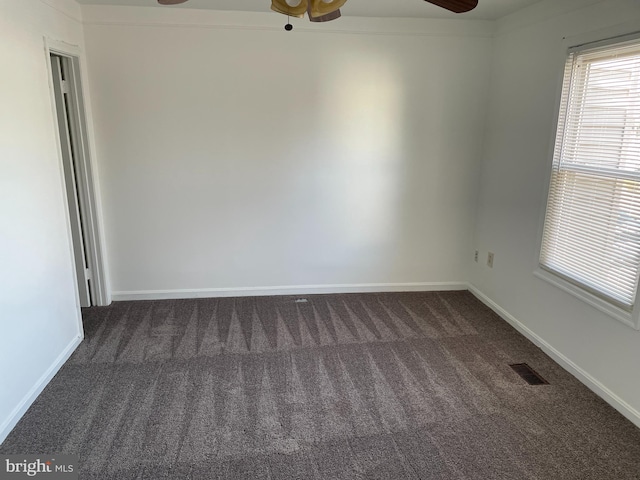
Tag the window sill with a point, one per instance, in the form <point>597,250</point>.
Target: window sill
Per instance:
<point>628,318</point>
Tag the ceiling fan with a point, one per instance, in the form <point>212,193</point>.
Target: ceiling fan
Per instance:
<point>326,10</point>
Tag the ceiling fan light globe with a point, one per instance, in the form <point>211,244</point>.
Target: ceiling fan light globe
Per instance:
<point>320,8</point>
<point>282,6</point>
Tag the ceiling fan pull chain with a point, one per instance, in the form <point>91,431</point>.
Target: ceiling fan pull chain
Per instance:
<point>288,27</point>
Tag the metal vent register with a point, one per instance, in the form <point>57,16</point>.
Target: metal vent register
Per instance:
<point>528,374</point>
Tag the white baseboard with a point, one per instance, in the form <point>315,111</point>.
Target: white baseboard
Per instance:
<point>288,290</point>
<point>594,385</point>
<point>43,381</point>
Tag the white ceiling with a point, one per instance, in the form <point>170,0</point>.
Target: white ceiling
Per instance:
<point>487,9</point>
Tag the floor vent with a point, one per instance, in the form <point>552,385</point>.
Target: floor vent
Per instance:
<point>528,374</point>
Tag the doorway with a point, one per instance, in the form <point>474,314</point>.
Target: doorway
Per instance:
<point>78,179</point>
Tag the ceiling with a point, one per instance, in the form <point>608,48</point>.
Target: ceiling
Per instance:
<point>486,10</point>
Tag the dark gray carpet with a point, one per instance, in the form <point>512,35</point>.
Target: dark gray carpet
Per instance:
<point>367,386</point>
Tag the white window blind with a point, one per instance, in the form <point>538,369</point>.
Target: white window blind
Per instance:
<point>592,226</point>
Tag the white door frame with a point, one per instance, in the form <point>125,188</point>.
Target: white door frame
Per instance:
<point>88,194</point>
<point>70,146</point>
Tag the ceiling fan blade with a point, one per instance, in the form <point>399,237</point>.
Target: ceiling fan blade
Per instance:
<point>324,18</point>
<point>281,6</point>
<point>171,2</point>
<point>456,6</point>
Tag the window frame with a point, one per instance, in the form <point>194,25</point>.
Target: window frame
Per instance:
<point>574,45</point>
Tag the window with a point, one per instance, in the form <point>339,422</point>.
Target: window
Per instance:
<point>591,232</point>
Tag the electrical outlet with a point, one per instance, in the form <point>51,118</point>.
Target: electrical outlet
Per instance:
<point>490,260</point>
<point>475,257</point>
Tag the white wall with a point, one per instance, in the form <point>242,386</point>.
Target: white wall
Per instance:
<point>39,315</point>
<point>234,154</point>
<point>528,60</point>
